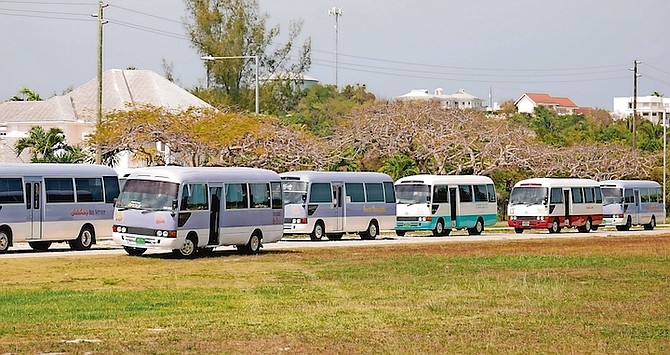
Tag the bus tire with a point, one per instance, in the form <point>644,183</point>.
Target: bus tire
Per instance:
<point>372,232</point>
<point>518,230</point>
<point>5,239</point>
<point>651,225</point>
<point>400,233</point>
<point>334,236</point>
<point>447,232</point>
<point>438,231</point>
<point>586,227</point>
<point>254,244</point>
<point>626,226</point>
<point>555,226</point>
<point>189,248</point>
<point>132,251</point>
<point>40,246</point>
<point>84,240</point>
<point>318,232</point>
<point>478,228</point>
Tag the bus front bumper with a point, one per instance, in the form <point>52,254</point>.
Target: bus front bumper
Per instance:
<point>143,241</point>
<point>528,223</point>
<point>414,225</point>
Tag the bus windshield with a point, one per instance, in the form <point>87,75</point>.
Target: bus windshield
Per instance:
<point>148,195</point>
<point>294,192</point>
<point>411,194</point>
<point>612,195</point>
<point>525,195</point>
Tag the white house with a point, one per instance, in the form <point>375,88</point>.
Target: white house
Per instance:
<point>460,99</point>
<point>529,101</point>
<point>652,108</point>
<point>76,112</point>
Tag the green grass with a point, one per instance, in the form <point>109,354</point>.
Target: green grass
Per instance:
<point>587,295</point>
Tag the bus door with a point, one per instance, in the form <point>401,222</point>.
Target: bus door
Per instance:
<point>635,213</point>
<point>568,205</point>
<point>338,206</point>
<point>215,193</point>
<point>453,201</point>
<point>34,206</point>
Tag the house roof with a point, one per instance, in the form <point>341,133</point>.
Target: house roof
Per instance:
<point>546,99</point>
<point>416,94</point>
<point>120,89</point>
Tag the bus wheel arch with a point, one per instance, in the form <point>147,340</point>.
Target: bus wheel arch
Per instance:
<point>478,228</point>
<point>372,232</point>
<point>586,227</point>
<point>5,238</point>
<point>85,239</point>
<point>190,246</point>
<point>555,226</point>
<point>626,226</point>
<point>319,230</point>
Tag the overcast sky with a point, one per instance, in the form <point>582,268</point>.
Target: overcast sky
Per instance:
<point>581,49</point>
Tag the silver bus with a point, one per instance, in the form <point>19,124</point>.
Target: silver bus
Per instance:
<point>46,203</point>
<point>187,209</point>
<point>331,204</point>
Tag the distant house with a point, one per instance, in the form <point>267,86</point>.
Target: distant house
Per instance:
<point>529,101</point>
<point>460,99</point>
<point>76,112</point>
<point>652,108</point>
<point>304,81</point>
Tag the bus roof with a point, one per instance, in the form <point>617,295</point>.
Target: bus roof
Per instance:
<point>629,183</point>
<point>444,179</point>
<point>329,176</point>
<point>53,169</point>
<point>181,174</point>
<point>557,182</point>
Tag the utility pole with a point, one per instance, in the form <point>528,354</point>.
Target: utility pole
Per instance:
<point>635,76</point>
<point>337,12</point>
<point>101,22</point>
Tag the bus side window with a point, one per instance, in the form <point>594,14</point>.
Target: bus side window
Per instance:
<point>556,195</point>
<point>480,193</point>
<point>644,195</point>
<point>11,191</point>
<point>588,195</point>
<point>389,192</point>
<point>492,192</point>
<point>194,197</point>
<point>628,196</point>
<point>465,192</point>
<point>29,195</point>
<point>441,194</point>
<point>275,192</point>
<point>260,195</point>
<point>577,195</point>
<point>236,196</point>
<point>111,185</point>
<point>599,195</point>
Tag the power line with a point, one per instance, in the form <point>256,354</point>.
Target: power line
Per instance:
<point>46,3</point>
<point>44,12</point>
<point>45,17</point>
<point>146,14</point>
<point>147,29</point>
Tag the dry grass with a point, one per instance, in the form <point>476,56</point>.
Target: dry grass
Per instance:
<point>582,295</point>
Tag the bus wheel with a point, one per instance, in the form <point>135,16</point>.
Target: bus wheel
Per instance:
<point>40,246</point>
<point>555,226</point>
<point>83,241</point>
<point>371,232</point>
<point>254,244</point>
<point>478,228</point>
<point>651,224</point>
<point>626,226</point>
<point>518,230</point>
<point>317,233</point>
<point>5,240</point>
<point>400,233</point>
<point>447,232</point>
<point>586,227</point>
<point>439,228</point>
<point>189,247</point>
<point>334,236</point>
<point>134,251</point>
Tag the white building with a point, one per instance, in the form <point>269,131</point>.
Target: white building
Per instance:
<point>528,102</point>
<point>459,99</point>
<point>652,108</point>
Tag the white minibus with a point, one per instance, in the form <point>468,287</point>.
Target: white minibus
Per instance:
<point>186,209</point>
<point>554,203</point>
<point>331,204</point>
<point>440,203</point>
<point>46,203</point>
<point>631,203</point>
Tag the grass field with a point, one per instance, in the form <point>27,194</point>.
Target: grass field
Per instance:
<point>583,295</point>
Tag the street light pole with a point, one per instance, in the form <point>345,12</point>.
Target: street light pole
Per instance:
<point>665,144</point>
<point>254,57</point>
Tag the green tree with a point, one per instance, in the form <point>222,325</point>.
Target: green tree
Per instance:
<point>399,166</point>
<point>651,135</point>
<point>232,28</point>
<point>48,146</point>
<point>26,94</point>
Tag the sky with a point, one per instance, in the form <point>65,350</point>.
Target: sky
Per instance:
<point>579,49</point>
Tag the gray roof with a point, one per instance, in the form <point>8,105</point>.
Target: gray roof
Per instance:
<point>121,88</point>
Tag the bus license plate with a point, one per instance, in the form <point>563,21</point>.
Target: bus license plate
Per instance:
<point>139,240</point>
<point>525,224</point>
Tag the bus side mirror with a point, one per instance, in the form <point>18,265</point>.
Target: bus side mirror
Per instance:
<point>175,204</point>
<point>304,198</point>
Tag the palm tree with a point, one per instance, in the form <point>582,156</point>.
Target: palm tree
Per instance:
<point>43,145</point>
<point>399,166</point>
<point>25,94</point>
